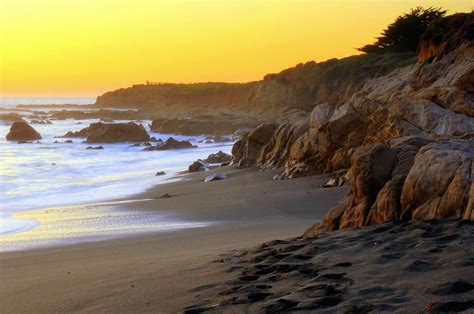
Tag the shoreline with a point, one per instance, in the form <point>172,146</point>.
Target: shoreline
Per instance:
<point>80,277</point>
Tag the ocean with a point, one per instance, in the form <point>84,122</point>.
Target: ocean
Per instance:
<point>54,176</point>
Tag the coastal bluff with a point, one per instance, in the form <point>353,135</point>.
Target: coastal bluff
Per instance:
<point>299,87</point>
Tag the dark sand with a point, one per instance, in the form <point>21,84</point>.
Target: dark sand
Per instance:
<point>155,272</point>
<point>390,268</point>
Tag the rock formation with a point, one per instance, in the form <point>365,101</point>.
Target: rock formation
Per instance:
<point>170,143</point>
<point>22,131</point>
<point>115,132</point>
<point>406,138</point>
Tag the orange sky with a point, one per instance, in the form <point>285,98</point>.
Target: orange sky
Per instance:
<point>87,47</point>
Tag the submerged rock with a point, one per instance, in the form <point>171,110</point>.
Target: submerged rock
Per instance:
<point>160,173</point>
<point>92,147</point>
<point>22,131</point>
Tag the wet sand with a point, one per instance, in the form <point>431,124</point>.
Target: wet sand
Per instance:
<point>155,272</point>
<point>236,265</point>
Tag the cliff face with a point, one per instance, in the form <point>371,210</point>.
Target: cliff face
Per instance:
<point>406,138</point>
<point>301,87</point>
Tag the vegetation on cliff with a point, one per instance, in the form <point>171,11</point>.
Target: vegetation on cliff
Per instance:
<point>404,34</point>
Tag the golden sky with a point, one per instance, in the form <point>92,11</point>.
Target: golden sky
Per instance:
<point>87,47</point>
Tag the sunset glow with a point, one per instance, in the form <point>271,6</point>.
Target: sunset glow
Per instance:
<point>87,47</point>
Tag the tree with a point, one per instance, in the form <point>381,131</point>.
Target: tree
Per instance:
<point>404,34</point>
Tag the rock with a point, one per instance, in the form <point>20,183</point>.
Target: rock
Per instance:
<point>22,131</point>
<point>106,120</point>
<point>215,177</point>
<point>25,142</point>
<point>68,141</point>
<point>11,117</point>
<point>165,195</point>
<point>198,165</point>
<point>97,147</point>
<point>160,173</point>
<point>219,157</point>
<point>439,184</point>
<point>93,127</point>
<point>320,115</point>
<point>255,141</point>
<point>218,139</point>
<point>118,132</point>
<point>414,179</point>
<point>170,143</point>
<point>240,133</point>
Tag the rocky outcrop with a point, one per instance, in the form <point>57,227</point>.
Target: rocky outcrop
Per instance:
<point>406,138</point>
<point>22,131</point>
<point>414,179</point>
<point>332,81</point>
<point>116,132</point>
<point>170,143</point>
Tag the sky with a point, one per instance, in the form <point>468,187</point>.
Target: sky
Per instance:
<point>80,48</point>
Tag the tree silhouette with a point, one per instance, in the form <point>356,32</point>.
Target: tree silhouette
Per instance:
<point>404,34</point>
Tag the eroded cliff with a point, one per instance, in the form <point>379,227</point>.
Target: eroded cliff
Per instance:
<point>406,138</point>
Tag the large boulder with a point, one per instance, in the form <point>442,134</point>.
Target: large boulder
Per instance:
<point>117,132</point>
<point>22,131</point>
<point>413,179</point>
<point>440,183</point>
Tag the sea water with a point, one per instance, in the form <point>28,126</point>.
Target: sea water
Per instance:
<point>49,176</point>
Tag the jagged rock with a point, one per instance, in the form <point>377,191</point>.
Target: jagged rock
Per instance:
<point>170,143</point>
<point>22,131</point>
<point>118,132</point>
<point>215,177</point>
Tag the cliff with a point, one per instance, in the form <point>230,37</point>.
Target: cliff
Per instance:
<point>300,87</point>
<point>404,140</point>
